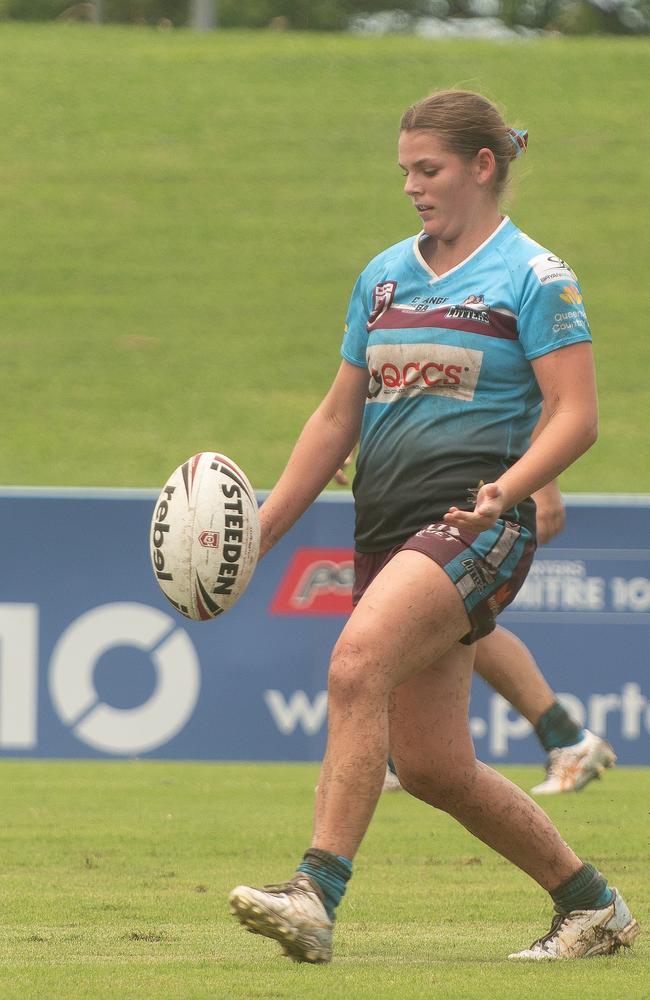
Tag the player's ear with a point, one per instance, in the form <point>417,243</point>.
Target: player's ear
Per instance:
<point>484,166</point>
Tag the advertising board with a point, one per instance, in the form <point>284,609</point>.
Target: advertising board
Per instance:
<point>95,663</point>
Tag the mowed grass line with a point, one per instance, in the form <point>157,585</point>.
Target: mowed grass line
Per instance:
<point>115,876</point>
<point>184,217</point>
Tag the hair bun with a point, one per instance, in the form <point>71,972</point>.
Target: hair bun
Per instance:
<point>519,139</point>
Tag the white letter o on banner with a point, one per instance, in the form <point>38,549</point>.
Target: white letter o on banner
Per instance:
<point>117,730</point>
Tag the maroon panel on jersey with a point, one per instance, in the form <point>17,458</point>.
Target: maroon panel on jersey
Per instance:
<point>490,324</point>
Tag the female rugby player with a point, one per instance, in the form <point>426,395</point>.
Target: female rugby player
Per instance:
<point>454,339</point>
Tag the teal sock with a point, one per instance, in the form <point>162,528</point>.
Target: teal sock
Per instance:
<point>331,872</point>
<point>586,890</point>
<point>556,728</point>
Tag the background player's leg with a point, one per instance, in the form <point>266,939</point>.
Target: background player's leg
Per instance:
<point>507,665</point>
<point>576,756</point>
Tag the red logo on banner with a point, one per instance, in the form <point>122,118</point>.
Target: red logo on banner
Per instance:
<point>317,582</point>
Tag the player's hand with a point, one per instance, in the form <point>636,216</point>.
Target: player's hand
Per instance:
<point>488,509</point>
<point>551,516</point>
<point>340,476</point>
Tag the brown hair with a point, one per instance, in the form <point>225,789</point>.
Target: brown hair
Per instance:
<point>465,122</point>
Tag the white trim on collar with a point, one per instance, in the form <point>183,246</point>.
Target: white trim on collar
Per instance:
<point>439,277</point>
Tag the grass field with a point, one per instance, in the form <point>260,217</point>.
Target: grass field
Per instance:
<point>184,217</point>
<point>115,875</point>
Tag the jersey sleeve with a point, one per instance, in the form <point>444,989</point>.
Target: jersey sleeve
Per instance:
<point>551,310</point>
<point>355,336</point>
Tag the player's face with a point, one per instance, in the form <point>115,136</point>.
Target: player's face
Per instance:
<point>442,185</point>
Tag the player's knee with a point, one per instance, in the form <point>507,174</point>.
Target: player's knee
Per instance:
<point>423,785</point>
<point>442,788</point>
<point>351,675</point>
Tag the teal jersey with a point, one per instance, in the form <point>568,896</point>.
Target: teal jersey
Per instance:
<point>452,396</point>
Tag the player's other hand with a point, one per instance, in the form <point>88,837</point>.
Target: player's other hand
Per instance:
<point>551,516</point>
<point>339,476</point>
<point>488,509</point>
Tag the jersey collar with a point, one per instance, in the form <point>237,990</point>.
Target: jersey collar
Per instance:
<point>433,277</point>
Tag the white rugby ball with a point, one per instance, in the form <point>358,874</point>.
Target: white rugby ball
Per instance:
<point>205,536</point>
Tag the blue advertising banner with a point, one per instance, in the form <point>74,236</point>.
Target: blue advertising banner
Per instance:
<point>95,663</point>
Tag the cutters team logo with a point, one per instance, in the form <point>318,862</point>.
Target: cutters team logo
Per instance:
<point>473,307</point>
<point>316,582</point>
<point>382,299</point>
<point>475,302</point>
<point>400,371</point>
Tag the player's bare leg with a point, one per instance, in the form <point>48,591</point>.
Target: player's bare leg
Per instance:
<point>433,751</point>
<point>507,665</point>
<point>410,615</point>
<point>401,647</point>
<point>391,635</point>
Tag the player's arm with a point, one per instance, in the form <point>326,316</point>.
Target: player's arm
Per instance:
<point>568,384</point>
<point>550,513</point>
<point>325,441</point>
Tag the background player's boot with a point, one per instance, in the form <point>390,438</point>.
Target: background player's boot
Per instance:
<point>569,769</point>
<point>391,782</point>
<point>585,933</point>
<point>291,913</point>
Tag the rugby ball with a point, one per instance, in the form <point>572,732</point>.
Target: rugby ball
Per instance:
<point>205,536</point>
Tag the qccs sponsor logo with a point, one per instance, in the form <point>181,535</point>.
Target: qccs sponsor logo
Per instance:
<point>399,371</point>
<point>316,582</point>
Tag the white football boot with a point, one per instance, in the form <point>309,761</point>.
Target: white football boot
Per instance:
<point>391,782</point>
<point>569,769</point>
<point>585,933</point>
<point>291,913</point>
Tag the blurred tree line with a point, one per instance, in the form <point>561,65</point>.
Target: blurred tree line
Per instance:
<point>565,16</point>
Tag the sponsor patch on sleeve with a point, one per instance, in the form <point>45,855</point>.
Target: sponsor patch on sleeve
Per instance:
<point>569,321</point>
<point>548,268</point>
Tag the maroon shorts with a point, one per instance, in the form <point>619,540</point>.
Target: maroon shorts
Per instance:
<point>487,568</point>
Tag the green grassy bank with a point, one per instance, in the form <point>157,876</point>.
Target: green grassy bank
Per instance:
<point>185,215</point>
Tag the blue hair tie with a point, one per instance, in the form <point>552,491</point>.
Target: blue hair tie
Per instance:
<point>519,139</point>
